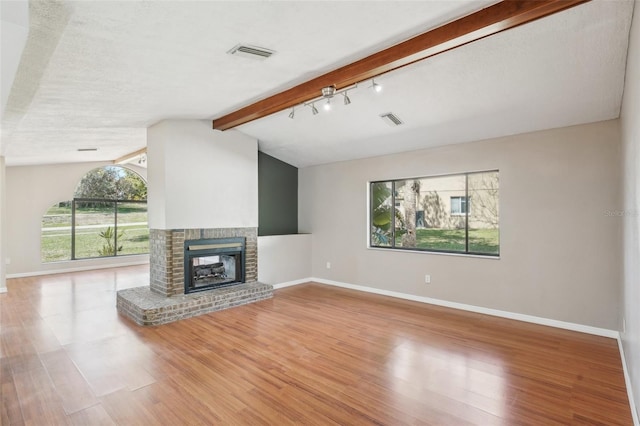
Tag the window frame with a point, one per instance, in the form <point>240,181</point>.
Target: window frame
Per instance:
<point>69,254</point>
<point>115,203</point>
<point>392,247</point>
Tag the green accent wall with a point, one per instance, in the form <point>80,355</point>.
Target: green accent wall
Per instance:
<point>277,196</point>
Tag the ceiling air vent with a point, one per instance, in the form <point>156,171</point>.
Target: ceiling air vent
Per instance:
<point>391,119</point>
<point>252,52</point>
<point>87,149</point>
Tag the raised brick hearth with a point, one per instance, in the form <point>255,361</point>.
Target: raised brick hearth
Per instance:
<point>148,308</point>
<point>165,299</point>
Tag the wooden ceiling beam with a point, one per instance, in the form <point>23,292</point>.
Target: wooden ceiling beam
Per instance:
<point>486,22</point>
<point>130,156</point>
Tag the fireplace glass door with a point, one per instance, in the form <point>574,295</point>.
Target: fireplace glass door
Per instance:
<point>213,263</point>
<point>214,270</point>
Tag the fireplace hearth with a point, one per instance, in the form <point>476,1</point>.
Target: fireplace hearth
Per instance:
<point>194,272</point>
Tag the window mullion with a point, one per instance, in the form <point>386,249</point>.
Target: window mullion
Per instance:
<point>115,227</point>
<point>466,214</point>
<point>73,229</point>
<point>393,214</point>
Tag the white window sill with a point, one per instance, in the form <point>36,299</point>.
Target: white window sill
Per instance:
<point>440,253</point>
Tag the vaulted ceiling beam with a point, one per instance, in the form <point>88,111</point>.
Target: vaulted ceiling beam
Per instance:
<point>486,22</point>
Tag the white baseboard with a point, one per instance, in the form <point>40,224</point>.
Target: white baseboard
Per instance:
<point>627,381</point>
<point>462,306</point>
<point>290,283</point>
<point>3,290</point>
<point>78,269</point>
<point>478,309</point>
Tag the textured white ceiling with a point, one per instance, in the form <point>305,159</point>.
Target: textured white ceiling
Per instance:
<point>97,74</point>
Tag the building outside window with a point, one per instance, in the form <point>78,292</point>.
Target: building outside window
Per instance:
<point>454,213</point>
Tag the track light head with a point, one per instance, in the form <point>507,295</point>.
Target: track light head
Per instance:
<point>327,105</point>
<point>314,110</point>
<point>347,101</point>
<point>292,114</point>
<point>376,87</point>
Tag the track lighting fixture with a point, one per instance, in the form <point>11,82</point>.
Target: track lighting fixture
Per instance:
<point>329,92</point>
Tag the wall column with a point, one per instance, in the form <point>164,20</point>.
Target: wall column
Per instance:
<point>3,216</point>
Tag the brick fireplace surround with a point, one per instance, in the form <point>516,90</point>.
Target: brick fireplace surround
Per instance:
<point>165,301</point>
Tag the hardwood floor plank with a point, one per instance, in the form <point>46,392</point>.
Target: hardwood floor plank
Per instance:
<point>23,362</point>
<point>313,354</point>
<point>41,336</point>
<point>39,402</point>
<point>168,396</point>
<point>111,364</point>
<point>94,416</point>
<point>85,326</point>
<point>10,412</point>
<point>125,409</point>
<point>15,341</point>
<point>70,385</point>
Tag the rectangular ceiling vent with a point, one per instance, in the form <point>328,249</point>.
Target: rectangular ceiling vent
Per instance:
<point>252,52</point>
<point>391,119</point>
<point>87,149</point>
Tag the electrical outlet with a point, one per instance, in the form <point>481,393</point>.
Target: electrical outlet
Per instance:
<point>328,265</point>
<point>427,279</point>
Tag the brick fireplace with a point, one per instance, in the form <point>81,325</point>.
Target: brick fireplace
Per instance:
<point>165,300</point>
<point>167,255</point>
<point>202,188</point>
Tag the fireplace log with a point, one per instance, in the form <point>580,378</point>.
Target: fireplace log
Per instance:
<point>212,270</point>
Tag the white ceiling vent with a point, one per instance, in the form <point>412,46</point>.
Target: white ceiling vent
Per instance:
<point>252,52</point>
<point>391,119</point>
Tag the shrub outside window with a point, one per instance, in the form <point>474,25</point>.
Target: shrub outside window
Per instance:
<point>453,214</point>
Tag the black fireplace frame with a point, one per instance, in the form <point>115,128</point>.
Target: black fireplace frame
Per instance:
<point>213,247</point>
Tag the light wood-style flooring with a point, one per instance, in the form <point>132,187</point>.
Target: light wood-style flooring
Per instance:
<point>313,354</point>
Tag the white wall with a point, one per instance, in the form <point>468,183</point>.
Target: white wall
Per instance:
<point>630,124</point>
<point>201,178</point>
<point>560,253</point>
<point>14,29</point>
<point>30,191</point>
<point>3,231</point>
<point>284,258</point>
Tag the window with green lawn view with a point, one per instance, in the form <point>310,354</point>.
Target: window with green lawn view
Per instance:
<point>453,213</point>
<point>107,217</point>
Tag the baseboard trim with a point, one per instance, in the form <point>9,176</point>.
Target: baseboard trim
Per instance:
<point>291,283</point>
<point>627,381</point>
<point>462,306</point>
<point>77,269</point>
<point>3,290</point>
